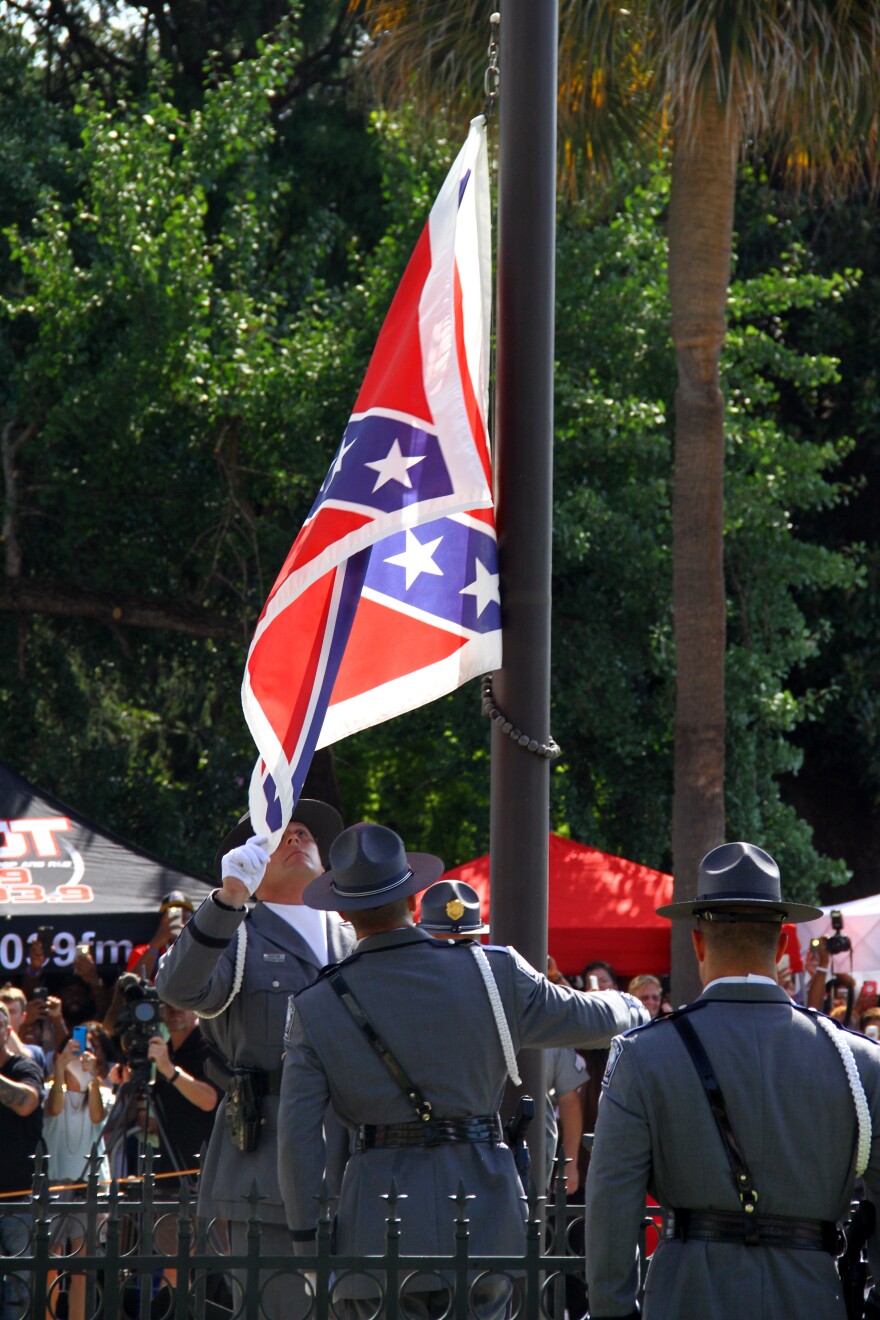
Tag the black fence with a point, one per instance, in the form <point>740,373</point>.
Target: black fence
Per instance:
<point>121,1252</point>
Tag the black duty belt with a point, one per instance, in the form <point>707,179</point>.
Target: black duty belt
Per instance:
<point>485,1128</point>
<point>264,1083</point>
<point>761,1230</point>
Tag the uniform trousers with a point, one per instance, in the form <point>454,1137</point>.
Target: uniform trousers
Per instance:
<point>282,1296</point>
<point>488,1299</point>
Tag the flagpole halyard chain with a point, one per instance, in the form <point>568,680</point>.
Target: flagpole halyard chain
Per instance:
<point>492,76</point>
<point>549,750</point>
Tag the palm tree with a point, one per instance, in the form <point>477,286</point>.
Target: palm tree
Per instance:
<point>796,78</point>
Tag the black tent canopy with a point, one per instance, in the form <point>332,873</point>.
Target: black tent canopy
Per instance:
<point>60,870</point>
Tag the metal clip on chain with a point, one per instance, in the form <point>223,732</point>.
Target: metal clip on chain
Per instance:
<point>492,76</point>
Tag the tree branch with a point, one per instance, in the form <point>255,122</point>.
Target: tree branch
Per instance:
<point>30,596</point>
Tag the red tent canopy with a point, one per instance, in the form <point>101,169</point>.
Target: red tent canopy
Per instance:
<point>600,907</point>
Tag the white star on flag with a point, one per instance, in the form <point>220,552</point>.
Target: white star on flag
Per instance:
<point>484,586</point>
<point>394,467</point>
<point>417,558</point>
<point>337,464</point>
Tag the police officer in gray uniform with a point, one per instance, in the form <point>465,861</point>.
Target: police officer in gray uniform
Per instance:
<point>237,968</point>
<point>430,1003</point>
<point>450,909</point>
<point>746,1117</point>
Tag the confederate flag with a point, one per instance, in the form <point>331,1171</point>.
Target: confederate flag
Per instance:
<point>389,595</point>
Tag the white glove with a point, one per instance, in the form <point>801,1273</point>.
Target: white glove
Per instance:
<point>247,862</point>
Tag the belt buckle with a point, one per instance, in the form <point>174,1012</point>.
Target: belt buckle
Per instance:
<point>432,1134</point>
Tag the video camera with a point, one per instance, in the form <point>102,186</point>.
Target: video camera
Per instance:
<point>836,943</point>
<point>138,1020</point>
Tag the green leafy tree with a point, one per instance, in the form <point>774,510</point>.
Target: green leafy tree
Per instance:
<point>162,441</point>
<point>614,663</point>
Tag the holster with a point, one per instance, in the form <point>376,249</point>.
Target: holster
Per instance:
<point>243,1113</point>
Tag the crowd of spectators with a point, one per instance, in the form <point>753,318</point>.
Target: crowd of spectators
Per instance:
<point>72,1082</point>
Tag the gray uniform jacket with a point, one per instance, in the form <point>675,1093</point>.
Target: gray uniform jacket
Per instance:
<point>791,1107</point>
<point>427,1001</point>
<point>198,972</point>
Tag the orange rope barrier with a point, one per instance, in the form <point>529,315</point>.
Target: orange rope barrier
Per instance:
<point>104,1182</point>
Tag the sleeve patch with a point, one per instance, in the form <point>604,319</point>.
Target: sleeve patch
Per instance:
<point>613,1055</point>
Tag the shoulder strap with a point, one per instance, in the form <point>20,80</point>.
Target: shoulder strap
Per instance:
<point>240,951</point>
<point>409,1089</point>
<point>742,1178</point>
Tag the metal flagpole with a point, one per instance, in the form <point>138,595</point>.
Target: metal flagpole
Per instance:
<point>523,459</point>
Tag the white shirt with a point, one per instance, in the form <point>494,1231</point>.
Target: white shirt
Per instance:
<point>308,922</point>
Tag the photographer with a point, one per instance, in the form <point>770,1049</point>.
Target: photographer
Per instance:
<point>184,1098</point>
<point>826,983</point>
<point>133,1019</point>
<point>16,1004</point>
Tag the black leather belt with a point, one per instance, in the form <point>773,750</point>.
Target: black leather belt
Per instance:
<point>763,1230</point>
<point>436,1132</point>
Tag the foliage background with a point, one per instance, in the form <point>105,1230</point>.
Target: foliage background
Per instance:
<point>197,255</point>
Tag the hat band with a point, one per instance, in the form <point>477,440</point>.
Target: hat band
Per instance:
<point>763,918</point>
<point>743,896</point>
<point>371,893</point>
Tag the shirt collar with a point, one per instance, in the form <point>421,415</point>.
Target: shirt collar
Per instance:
<point>752,979</point>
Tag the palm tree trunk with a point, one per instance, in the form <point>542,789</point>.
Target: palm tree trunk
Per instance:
<point>700,241</point>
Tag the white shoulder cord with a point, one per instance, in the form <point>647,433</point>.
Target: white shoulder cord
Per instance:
<point>497,1012</point>
<point>240,951</point>
<point>863,1114</point>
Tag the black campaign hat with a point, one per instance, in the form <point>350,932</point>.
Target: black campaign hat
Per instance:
<point>323,821</point>
<point>738,876</point>
<point>370,868</point>
<point>451,907</point>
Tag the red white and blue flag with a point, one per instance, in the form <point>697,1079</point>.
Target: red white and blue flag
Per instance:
<point>389,596</point>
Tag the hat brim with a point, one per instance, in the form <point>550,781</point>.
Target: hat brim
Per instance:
<point>321,894</point>
<point>692,907</point>
<point>323,822</point>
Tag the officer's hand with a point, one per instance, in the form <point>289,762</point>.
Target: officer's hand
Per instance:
<point>243,868</point>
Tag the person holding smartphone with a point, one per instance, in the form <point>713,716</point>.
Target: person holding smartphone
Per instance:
<point>16,1004</point>
<point>74,1115</point>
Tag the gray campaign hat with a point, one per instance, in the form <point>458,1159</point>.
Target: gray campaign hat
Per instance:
<point>320,819</point>
<point>738,876</point>
<point>451,907</point>
<point>370,867</point>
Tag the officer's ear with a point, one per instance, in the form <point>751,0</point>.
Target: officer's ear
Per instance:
<point>411,903</point>
<point>699,940</point>
<point>782,944</point>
